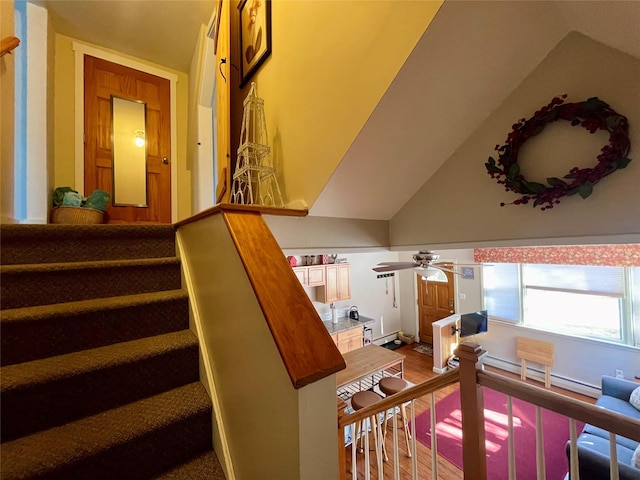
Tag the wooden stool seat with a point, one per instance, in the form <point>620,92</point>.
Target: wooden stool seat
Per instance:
<point>364,399</point>
<point>392,385</point>
<point>359,401</point>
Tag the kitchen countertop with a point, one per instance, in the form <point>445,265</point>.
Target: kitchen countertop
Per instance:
<point>346,323</point>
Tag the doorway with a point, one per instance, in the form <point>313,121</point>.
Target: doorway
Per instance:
<point>435,301</point>
<point>140,190</point>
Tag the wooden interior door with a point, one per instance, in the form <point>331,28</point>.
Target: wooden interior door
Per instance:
<point>435,301</point>
<point>102,80</point>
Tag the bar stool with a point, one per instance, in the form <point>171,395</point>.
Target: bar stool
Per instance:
<point>391,386</point>
<point>363,399</point>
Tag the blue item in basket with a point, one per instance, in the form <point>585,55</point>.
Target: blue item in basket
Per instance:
<point>72,199</point>
<point>98,200</point>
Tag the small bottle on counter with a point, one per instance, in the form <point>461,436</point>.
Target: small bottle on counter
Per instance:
<point>334,315</point>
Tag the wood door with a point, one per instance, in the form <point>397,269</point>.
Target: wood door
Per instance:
<point>102,80</point>
<point>435,301</point>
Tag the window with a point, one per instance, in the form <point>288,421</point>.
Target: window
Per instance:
<point>589,301</point>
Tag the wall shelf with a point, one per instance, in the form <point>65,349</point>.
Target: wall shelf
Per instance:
<point>8,45</point>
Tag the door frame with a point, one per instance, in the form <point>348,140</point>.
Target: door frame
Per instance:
<point>81,50</point>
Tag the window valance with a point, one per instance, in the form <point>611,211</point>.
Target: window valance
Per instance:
<point>627,255</point>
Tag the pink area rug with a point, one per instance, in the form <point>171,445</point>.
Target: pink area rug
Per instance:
<point>449,430</point>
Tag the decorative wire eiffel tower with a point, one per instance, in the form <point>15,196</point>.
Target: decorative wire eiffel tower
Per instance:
<point>254,181</point>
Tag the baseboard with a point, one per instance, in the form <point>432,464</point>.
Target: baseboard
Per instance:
<point>439,370</point>
<point>556,380</point>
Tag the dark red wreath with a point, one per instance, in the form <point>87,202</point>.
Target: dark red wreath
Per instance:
<point>593,114</point>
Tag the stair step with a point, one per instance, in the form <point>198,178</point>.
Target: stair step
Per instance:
<point>138,440</point>
<point>203,467</point>
<point>25,244</point>
<point>44,284</point>
<point>74,326</point>
<point>48,392</point>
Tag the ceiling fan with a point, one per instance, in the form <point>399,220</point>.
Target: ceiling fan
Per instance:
<point>423,261</point>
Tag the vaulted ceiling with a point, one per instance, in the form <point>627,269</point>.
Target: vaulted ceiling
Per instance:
<point>467,62</point>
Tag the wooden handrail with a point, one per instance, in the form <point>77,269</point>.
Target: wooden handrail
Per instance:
<point>450,377</point>
<point>8,44</point>
<point>305,346</point>
<point>234,207</point>
<point>570,407</point>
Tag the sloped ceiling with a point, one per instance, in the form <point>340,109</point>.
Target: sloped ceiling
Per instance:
<point>468,61</point>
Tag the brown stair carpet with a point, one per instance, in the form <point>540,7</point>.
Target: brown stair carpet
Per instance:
<point>99,375</point>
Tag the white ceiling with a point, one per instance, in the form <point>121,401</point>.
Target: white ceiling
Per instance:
<point>161,31</point>
<point>467,62</point>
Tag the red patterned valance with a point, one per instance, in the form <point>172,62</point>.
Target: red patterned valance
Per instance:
<point>610,255</point>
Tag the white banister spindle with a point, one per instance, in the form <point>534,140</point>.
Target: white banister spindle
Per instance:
<point>434,438</point>
<point>379,448</point>
<point>511,444</point>
<point>414,457</point>
<point>613,455</point>
<point>573,450</point>
<point>396,450</point>
<point>367,465</point>
<point>354,448</point>
<point>540,468</point>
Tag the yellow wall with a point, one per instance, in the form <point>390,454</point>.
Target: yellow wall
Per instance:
<point>64,120</point>
<point>331,63</point>
<point>7,96</point>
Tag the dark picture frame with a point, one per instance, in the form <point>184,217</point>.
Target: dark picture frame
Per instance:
<point>254,26</point>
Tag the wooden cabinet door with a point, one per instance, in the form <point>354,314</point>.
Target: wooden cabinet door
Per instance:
<point>301,273</point>
<point>315,276</point>
<point>344,282</point>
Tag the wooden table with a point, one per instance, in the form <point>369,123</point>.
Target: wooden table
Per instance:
<point>366,361</point>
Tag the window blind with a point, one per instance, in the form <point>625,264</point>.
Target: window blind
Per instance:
<point>575,278</point>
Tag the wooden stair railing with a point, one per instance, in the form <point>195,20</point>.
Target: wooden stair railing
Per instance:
<point>472,377</point>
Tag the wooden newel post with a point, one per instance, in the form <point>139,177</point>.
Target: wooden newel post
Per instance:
<point>472,404</point>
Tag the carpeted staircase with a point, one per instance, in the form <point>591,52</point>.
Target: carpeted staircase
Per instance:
<point>99,375</point>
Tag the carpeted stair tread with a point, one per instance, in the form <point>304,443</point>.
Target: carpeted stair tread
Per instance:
<point>93,447</point>
<point>44,393</point>
<point>23,244</point>
<point>44,284</point>
<point>203,467</point>
<point>52,369</point>
<point>66,327</point>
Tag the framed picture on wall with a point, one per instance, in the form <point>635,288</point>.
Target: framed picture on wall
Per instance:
<point>255,36</point>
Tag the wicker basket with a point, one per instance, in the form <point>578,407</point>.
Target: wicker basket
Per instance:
<point>406,338</point>
<point>77,215</point>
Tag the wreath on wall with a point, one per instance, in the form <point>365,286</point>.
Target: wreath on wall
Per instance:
<point>592,114</point>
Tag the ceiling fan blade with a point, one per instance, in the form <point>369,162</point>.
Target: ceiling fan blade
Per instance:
<point>393,266</point>
<point>465,264</point>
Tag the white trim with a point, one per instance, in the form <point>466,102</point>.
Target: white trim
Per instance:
<point>81,50</point>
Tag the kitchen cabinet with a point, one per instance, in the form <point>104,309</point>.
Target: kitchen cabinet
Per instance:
<point>303,275</point>
<point>312,276</point>
<point>316,276</point>
<point>348,340</point>
<point>337,284</point>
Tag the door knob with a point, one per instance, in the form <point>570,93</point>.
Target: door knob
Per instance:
<point>165,161</point>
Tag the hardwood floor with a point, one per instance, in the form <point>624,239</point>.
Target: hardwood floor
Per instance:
<point>418,368</point>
